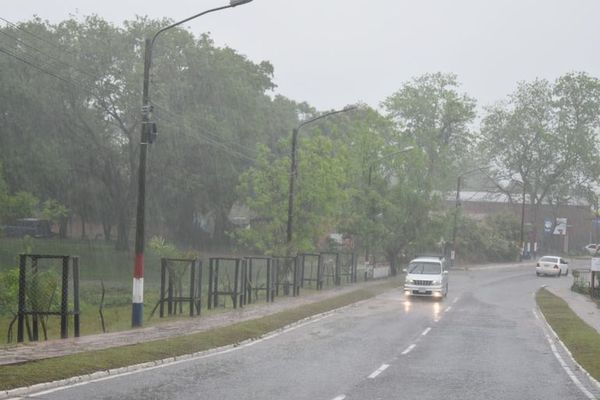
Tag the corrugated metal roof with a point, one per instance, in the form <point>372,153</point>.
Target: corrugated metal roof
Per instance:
<point>497,197</point>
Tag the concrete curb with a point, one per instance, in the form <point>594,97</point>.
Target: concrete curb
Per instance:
<point>557,338</point>
<point>82,379</point>
<point>490,267</point>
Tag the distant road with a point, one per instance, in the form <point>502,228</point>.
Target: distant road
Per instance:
<point>482,342</point>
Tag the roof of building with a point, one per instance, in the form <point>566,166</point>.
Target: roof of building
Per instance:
<point>498,197</point>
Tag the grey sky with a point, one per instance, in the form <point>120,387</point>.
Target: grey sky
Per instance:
<point>334,52</point>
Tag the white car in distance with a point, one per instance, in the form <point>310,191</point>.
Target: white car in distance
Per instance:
<point>552,265</point>
<point>593,249</point>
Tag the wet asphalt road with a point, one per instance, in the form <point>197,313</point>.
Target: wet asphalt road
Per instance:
<point>483,341</point>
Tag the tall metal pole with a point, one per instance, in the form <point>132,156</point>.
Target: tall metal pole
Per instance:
<point>369,179</point>
<point>523,224</point>
<point>368,244</point>
<point>455,227</point>
<point>458,204</point>
<point>294,172</point>
<point>137,314</point>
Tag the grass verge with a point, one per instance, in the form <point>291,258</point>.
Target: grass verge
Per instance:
<point>52,369</point>
<point>582,340</point>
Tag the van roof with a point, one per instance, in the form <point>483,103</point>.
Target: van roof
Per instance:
<point>427,259</point>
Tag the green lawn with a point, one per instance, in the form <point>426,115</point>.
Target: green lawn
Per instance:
<point>582,340</point>
<point>30,373</point>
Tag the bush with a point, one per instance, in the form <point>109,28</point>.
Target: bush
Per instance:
<point>494,239</point>
<point>9,291</point>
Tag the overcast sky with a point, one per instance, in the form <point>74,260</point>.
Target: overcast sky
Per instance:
<point>331,53</point>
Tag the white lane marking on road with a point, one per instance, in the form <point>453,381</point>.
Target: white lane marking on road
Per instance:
<point>426,331</point>
<point>340,397</point>
<point>378,371</point>
<point>182,360</point>
<point>536,315</point>
<point>563,364</point>
<point>455,300</point>
<point>448,309</point>
<point>409,349</point>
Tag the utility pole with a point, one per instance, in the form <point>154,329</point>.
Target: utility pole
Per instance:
<point>148,131</point>
<point>137,313</point>
<point>523,224</point>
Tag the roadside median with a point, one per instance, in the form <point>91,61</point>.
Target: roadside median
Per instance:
<point>89,362</point>
<point>582,341</point>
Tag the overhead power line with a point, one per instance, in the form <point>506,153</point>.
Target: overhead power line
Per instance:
<point>210,138</point>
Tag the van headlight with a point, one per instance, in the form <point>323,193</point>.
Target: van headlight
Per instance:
<point>436,283</point>
<point>409,281</point>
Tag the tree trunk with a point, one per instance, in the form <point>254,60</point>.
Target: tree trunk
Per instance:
<point>62,229</point>
<point>122,232</point>
<point>107,228</point>
<point>83,233</point>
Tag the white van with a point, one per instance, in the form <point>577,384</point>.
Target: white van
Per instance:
<point>426,276</point>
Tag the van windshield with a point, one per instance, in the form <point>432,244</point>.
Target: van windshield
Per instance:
<point>424,268</point>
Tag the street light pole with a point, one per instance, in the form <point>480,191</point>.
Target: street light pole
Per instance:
<point>522,225</point>
<point>404,150</point>
<point>147,132</point>
<point>457,208</point>
<point>294,170</point>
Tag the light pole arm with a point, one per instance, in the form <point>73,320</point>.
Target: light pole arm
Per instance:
<point>346,109</point>
<point>189,19</point>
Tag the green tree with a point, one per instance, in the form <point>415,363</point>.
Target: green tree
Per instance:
<point>320,196</point>
<point>436,116</point>
<point>542,140</point>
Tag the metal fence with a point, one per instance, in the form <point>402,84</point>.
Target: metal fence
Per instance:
<point>259,279</point>
<point>47,305</point>
<point>226,281</point>
<point>44,293</point>
<point>180,286</point>
<point>286,276</point>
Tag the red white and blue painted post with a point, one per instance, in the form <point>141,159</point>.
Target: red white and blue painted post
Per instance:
<point>137,314</point>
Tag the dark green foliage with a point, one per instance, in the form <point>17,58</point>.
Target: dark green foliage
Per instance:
<point>494,239</point>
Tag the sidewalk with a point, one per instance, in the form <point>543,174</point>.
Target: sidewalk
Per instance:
<point>168,328</point>
<point>581,304</point>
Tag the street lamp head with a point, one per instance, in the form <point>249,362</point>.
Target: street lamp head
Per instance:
<point>235,3</point>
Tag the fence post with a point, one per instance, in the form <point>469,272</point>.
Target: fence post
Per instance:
<point>64,304</point>
<point>76,320</point>
<point>192,286</point>
<point>21,317</point>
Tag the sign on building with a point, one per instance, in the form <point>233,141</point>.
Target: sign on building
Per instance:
<point>547,226</point>
<point>595,264</point>
<point>561,226</point>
